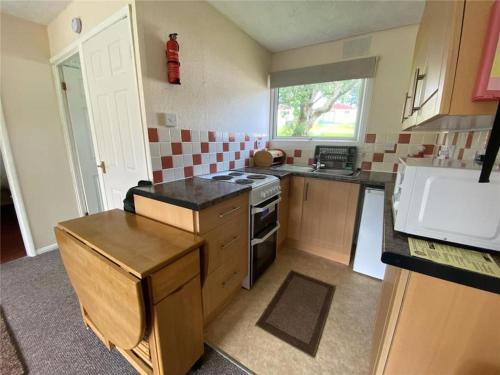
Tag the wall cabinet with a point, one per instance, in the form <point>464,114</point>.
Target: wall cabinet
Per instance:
<point>445,65</point>
<point>322,215</point>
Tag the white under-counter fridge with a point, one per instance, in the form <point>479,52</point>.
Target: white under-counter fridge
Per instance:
<point>370,235</point>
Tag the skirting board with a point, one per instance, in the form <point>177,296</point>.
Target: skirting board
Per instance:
<point>46,248</point>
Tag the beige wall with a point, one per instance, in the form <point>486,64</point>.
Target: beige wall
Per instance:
<point>34,126</point>
<point>223,71</point>
<point>395,49</point>
<point>91,13</point>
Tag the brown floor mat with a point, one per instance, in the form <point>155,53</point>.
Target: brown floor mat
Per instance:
<point>298,312</point>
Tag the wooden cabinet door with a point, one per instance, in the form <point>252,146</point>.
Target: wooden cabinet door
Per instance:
<point>328,217</point>
<point>295,200</point>
<point>283,211</point>
<point>178,329</point>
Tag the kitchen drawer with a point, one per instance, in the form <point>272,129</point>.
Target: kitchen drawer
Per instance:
<point>222,213</point>
<point>222,283</point>
<point>168,279</point>
<point>225,241</point>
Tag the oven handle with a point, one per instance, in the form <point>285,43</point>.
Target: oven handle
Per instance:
<point>257,210</point>
<point>257,241</point>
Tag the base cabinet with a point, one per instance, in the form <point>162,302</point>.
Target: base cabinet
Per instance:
<point>322,217</point>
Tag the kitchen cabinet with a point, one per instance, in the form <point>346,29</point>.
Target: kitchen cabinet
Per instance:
<point>140,291</point>
<point>283,211</point>
<point>445,66</point>
<point>427,325</point>
<point>322,217</point>
<point>224,255</point>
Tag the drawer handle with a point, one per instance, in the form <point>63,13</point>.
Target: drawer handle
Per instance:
<point>229,212</point>
<point>224,283</point>
<point>230,242</point>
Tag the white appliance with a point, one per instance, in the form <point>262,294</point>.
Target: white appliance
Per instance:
<point>443,199</point>
<point>370,235</point>
<point>263,223</point>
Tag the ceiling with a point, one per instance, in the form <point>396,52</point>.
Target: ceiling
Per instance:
<point>282,25</point>
<point>39,11</point>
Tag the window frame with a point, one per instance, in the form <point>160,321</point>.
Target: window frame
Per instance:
<point>366,87</point>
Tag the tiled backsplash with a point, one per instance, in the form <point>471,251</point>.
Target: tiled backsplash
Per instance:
<point>180,153</point>
<point>381,151</point>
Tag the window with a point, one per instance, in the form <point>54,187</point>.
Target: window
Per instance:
<point>329,110</point>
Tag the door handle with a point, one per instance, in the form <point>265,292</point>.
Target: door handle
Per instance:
<point>229,212</point>
<point>418,77</point>
<point>404,117</point>
<point>102,165</point>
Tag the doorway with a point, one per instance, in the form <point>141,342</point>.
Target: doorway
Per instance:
<point>80,135</point>
<point>11,240</point>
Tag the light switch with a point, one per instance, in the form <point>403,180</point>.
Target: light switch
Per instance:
<point>171,119</point>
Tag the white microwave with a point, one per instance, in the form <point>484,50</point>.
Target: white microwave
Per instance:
<point>443,199</point>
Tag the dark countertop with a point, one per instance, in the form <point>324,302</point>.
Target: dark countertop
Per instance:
<point>396,252</point>
<point>193,193</point>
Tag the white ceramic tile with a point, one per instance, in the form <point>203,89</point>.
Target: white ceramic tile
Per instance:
<point>156,164</point>
<point>175,135</point>
<point>225,165</point>
<point>402,149</point>
<point>187,148</point>
<point>164,134</point>
<point>225,156</point>
<point>197,170</point>
<point>212,147</point>
<point>168,175</point>
<point>225,136</point>
<point>165,149</point>
<point>239,163</point>
<point>178,161</point>
<point>249,145</point>
<point>219,136</point>
<point>220,167</point>
<point>205,168</point>
<point>196,147</point>
<point>179,173</point>
<point>205,158</point>
<point>213,158</point>
<point>195,135</point>
<point>219,146</point>
<point>234,146</point>
<point>154,148</point>
<point>204,135</point>
<point>429,138</point>
<point>188,160</point>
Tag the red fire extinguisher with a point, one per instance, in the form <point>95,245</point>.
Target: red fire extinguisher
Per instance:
<point>173,64</point>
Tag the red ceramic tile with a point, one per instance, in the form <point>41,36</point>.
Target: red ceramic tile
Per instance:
<point>428,149</point>
<point>468,142</point>
<point>153,134</point>
<point>204,147</point>
<point>310,161</point>
<point>460,154</point>
<point>242,146</point>
<point>395,168</point>
<point>176,148</point>
<point>455,139</point>
<point>297,153</point>
<point>231,164</point>
<point>196,159</point>
<point>289,160</point>
<point>213,168</point>
<point>232,137</point>
<point>378,157</point>
<point>247,137</point>
<point>251,152</point>
<point>185,135</point>
<point>393,151</point>
<point>211,136</point>
<point>188,172</point>
<point>404,138</point>
<point>157,177</point>
<point>166,162</point>
<point>225,147</point>
<point>237,155</point>
<point>366,165</point>
<point>267,144</point>
<point>220,156</point>
<point>247,162</point>
<point>370,138</point>
<point>255,144</point>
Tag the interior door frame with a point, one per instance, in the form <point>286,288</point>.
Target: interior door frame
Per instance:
<point>57,60</point>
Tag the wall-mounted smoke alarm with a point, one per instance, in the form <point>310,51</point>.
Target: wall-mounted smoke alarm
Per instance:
<point>76,25</point>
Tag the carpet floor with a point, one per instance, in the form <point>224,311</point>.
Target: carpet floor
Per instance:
<point>42,311</point>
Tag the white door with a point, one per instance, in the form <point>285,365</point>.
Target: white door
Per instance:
<point>82,137</point>
<point>113,92</point>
